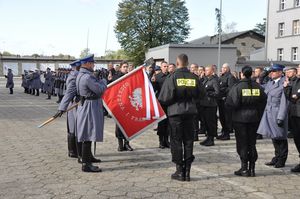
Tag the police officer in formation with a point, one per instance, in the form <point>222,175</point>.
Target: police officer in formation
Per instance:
<point>292,93</point>
<point>90,119</point>
<point>162,128</point>
<point>274,123</point>
<point>247,100</point>
<point>122,141</point>
<point>208,105</point>
<point>10,81</point>
<point>48,85</point>
<point>179,93</point>
<point>227,80</point>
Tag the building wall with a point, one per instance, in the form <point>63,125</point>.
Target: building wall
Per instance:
<point>246,44</point>
<point>258,55</point>
<point>159,53</point>
<point>288,41</point>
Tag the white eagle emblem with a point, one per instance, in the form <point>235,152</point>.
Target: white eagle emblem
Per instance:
<point>136,99</point>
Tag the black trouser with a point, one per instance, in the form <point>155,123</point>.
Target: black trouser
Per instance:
<point>281,150</point>
<point>245,134</point>
<point>162,128</point>
<point>196,126</point>
<point>182,139</point>
<point>210,120</point>
<point>225,116</point>
<point>295,128</point>
<point>11,90</point>
<point>119,133</point>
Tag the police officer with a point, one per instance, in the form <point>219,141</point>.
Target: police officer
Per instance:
<point>227,80</point>
<point>247,100</point>
<point>90,120</point>
<point>208,105</point>
<point>179,93</point>
<point>162,128</point>
<point>69,100</point>
<point>274,122</point>
<point>123,143</point>
<point>10,81</point>
<point>36,82</point>
<point>48,83</point>
<point>292,93</point>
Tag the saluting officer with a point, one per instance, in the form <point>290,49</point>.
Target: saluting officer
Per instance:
<point>274,123</point>
<point>292,93</point>
<point>179,93</point>
<point>90,119</point>
<point>247,100</point>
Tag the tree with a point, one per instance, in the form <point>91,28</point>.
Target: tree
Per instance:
<point>119,54</point>
<point>230,27</point>
<point>261,27</point>
<point>85,52</point>
<point>143,24</point>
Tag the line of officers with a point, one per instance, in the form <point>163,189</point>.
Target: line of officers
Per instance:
<point>259,103</point>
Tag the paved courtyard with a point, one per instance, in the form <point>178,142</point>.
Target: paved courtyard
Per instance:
<point>34,162</point>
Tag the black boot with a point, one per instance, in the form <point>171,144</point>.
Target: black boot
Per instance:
<point>187,172</point>
<point>49,96</point>
<point>87,165</point>
<point>243,171</point>
<point>72,146</point>
<point>204,141</point>
<point>59,99</point>
<point>37,92</point>
<point>127,146</point>
<point>179,173</point>
<point>224,136</point>
<point>79,152</point>
<point>33,92</point>
<point>93,159</point>
<point>210,141</point>
<point>121,146</point>
<point>166,142</point>
<point>252,169</point>
<point>161,142</point>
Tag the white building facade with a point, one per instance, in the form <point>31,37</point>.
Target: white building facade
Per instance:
<point>283,31</point>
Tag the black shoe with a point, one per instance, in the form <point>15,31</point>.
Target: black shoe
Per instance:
<point>209,143</point>
<point>296,169</point>
<point>179,173</point>
<point>121,145</point>
<point>95,160</point>
<point>259,137</point>
<point>219,136</point>
<point>290,135</point>
<point>90,168</point>
<point>203,142</point>
<point>224,136</point>
<point>127,146</point>
<point>252,169</point>
<point>271,163</point>
<point>243,171</point>
<point>72,155</point>
<point>279,165</point>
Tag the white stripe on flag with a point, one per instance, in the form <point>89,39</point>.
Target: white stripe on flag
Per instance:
<point>156,111</point>
<point>146,81</point>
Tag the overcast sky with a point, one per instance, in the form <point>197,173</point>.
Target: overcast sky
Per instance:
<point>60,26</point>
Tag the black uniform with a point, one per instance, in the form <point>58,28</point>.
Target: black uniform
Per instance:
<point>227,80</point>
<point>293,88</point>
<point>162,128</point>
<point>179,93</point>
<point>247,100</point>
<point>208,106</point>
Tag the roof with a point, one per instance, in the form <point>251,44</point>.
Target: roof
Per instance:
<point>190,46</point>
<point>225,37</point>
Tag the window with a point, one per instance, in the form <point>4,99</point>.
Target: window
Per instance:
<point>281,29</point>
<point>295,54</point>
<point>280,54</point>
<point>296,27</point>
<point>282,4</point>
<point>297,3</point>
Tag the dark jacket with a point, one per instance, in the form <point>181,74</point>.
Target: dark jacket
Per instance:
<point>160,79</point>
<point>227,80</point>
<point>180,93</point>
<point>293,88</point>
<point>212,88</point>
<point>247,100</point>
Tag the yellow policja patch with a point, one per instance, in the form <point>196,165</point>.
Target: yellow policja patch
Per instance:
<point>186,82</point>
<point>247,92</point>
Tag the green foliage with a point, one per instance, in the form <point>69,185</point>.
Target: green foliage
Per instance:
<point>119,54</point>
<point>85,52</point>
<point>143,24</point>
<point>261,27</point>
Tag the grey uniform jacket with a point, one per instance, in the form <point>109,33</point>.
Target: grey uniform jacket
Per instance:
<point>276,109</point>
<point>90,121</point>
<point>10,81</point>
<point>69,100</point>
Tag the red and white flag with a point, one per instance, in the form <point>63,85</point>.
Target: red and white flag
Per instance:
<point>131,101</point>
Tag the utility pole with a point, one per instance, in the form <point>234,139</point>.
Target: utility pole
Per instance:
<point>220,37</point>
